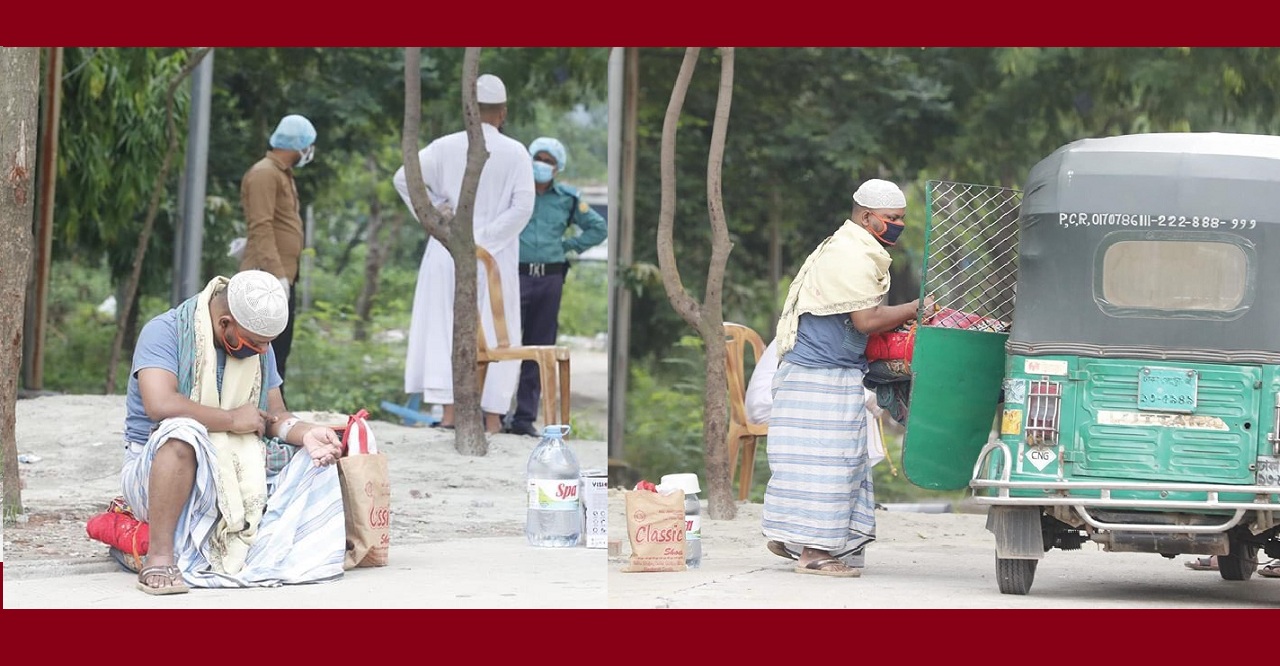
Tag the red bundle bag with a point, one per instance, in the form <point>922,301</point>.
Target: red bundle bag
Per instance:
<point>119,528</point>
<point>892,345</point>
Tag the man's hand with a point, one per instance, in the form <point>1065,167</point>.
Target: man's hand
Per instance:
<point>248,418</point>
<point>323,445</point>
<point>445,210</point>
<point>284,284</point>
<point>930,306</point>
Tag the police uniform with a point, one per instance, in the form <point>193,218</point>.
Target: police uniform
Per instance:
<point>543,245</point>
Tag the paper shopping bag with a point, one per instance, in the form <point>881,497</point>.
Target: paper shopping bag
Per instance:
<point>366,501</point>
<point>656,527</point>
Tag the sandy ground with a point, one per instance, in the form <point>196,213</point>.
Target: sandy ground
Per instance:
<point>920,560</point>
<point>437,494</point>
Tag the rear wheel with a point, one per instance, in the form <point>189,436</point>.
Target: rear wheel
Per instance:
<point>1241,560</point>
<point>1015,576</point>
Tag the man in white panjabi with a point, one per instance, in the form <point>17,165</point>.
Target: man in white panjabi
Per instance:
<point>504,203</point>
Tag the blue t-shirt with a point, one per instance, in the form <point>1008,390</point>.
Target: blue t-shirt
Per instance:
<point>158,348</point>
<point>828,341</point>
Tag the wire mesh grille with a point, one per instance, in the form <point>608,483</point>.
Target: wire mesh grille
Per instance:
<point>1044,405</point>
<point>972,261</point>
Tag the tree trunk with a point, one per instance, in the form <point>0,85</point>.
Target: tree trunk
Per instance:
<point>373,259</point>
<point>457,235</point>
<point>19,102</point>
<point>708,317</point>
<point>144,238</point>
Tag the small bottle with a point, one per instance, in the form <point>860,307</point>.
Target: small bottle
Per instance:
<point>554,519</point>
<point>692,516</point>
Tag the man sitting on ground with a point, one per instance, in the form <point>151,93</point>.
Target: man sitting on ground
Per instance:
<point>204,392</point>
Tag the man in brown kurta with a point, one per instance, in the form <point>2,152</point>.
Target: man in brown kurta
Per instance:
<point>269,198</point>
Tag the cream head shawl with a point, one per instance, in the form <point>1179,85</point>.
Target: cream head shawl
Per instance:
<point>849,271</point>
<point>241,473</point>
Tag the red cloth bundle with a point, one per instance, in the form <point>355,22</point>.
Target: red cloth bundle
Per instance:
<point>119,528</point>
<point>949,318</point>
<point>892,345</point>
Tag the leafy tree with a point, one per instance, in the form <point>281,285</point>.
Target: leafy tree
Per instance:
<point>706,316</point>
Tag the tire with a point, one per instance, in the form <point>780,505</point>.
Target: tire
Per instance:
<point>1240,562</point>
<point>1015,576</point>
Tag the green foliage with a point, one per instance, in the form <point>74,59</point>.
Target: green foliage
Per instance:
<point>78,336</point>
<point>329,370</point>
<point>111,144</point>
<point>664,414</point>
<point>584,304</point>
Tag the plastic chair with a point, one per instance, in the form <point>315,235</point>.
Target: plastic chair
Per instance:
<point>742,431</point>
<point>552,360</point>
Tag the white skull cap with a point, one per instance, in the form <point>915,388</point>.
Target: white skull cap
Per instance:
<point>876,193</point>
<point>490,90</point>
<point>258,302</point>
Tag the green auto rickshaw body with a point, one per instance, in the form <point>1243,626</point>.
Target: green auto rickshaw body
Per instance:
<point>1135,400</point>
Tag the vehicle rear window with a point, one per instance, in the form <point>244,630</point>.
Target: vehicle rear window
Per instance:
<point>1200,276</point>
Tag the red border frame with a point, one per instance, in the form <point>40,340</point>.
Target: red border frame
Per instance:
<point>585,23</point>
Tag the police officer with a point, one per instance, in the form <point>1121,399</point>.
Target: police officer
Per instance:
<point>543,245</point>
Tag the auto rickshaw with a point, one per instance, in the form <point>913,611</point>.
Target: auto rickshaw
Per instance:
<point>1131,396</point>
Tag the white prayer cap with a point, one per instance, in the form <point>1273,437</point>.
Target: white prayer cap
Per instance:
<point>490,90</point>
<point>876,193</point>
<point>258,302</point>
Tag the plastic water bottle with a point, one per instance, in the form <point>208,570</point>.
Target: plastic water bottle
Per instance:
<point>692,515</point>
<point>554,519</point>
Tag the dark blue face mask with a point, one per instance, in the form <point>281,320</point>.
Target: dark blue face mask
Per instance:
<point>892,229</point>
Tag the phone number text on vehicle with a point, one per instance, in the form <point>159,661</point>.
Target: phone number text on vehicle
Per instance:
<point>1070,220</point>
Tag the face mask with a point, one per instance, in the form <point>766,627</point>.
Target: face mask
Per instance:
<point>241,349</point>
<point>892,230</point>
<point>543,172</point>
<point>307,154</point>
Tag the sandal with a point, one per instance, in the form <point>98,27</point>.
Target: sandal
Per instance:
<point>1203,563</point>
<point>780,549</point>
<point>1270,569</point>
<point>176,584</point>
<point>828,566</point>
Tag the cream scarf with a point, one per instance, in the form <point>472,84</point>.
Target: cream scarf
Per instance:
<point>849,271</point>
<point>241,473</point>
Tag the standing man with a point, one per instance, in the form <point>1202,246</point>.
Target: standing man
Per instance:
<point>504,201</point>
<point>820,502</point>
<point>271,211</point>
<point>543,246</point>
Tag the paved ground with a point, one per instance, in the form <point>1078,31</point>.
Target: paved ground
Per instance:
<point>495,572</point>
<point>919,561</point>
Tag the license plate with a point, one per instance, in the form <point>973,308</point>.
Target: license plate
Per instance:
<point>1167,390</point>
<point>1268,471</point>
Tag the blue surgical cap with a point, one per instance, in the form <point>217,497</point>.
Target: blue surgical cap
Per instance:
<point>293,133</point>
<point>552,146</point>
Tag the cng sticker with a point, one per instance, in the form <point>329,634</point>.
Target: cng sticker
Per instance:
<point>1039,366</point>
<point>1040,457</point>
<point>1011,422</point>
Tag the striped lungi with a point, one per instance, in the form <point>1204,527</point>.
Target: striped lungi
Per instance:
<point>820,493</point>
<point>302,535</point>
